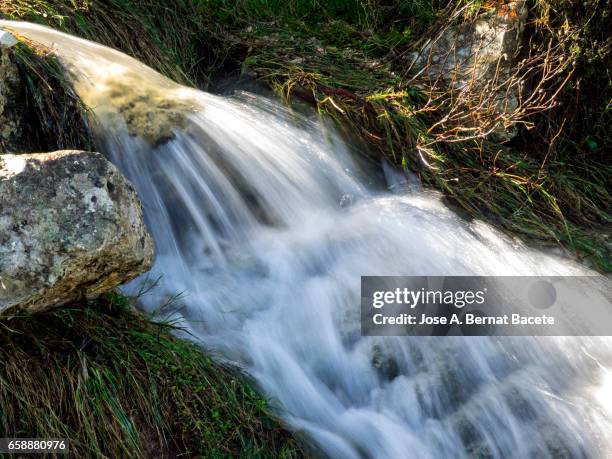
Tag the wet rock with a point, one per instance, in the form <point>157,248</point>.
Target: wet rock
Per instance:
<point>384,363</point>
<point>10,87</point>
<point>71,227</point>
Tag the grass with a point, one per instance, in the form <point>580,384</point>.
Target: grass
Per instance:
<point>55,118</point>
<point>349,59</point>
<point>118,385</point>
<point>550,184</point>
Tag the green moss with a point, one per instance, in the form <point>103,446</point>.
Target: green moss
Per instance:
<point>55,118</point>
<point>148,112</point>
<point>117,385</point>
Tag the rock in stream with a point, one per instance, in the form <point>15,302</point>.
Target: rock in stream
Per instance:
<point>71,227</point>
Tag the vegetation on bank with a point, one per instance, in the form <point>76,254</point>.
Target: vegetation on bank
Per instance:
<point>118,385</point>
<point>351,58</point>
<point>56,118</point>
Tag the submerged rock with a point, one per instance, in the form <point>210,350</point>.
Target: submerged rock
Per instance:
<point>71,226</point>
<point>149,112</point>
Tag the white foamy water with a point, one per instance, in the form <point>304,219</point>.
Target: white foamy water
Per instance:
<point>265,223</point>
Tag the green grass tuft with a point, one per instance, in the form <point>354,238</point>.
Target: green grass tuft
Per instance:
<point>54,117</point>
<point>118,385</point>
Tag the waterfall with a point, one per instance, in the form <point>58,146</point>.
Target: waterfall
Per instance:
<point>264,222</point>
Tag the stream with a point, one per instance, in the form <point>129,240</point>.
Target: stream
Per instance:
<point>264,220</point>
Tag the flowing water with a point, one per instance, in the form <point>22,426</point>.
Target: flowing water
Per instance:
<point>264,222</point>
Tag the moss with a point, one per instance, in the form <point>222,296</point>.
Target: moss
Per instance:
<point>54,117</point>
<point>10,114</point>
<point>148,111</point>
<point>118,385</point>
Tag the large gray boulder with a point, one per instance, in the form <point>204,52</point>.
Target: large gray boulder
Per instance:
<point>71,227</point>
